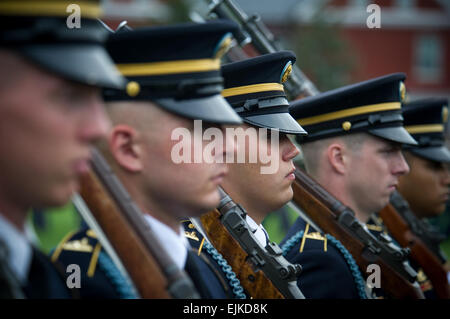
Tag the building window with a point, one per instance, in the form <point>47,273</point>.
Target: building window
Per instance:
<point>428,58</point>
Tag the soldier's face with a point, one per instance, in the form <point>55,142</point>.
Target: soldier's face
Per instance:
<point>46,127</point>
<point>247,183</point>
<point>426,187</point>
<point>187,188</point>
<point>373,173</point>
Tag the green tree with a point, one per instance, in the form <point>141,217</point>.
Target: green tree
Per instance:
<point>323,53</point>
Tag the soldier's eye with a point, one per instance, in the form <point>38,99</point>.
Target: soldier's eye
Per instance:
<point>436,166</point>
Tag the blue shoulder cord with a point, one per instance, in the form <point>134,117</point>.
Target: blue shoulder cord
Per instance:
<point>126,292</point>
<point>123,287</point>
<point>234,282</point>
<point>359,281</point>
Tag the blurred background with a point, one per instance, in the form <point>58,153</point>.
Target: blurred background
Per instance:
<point>334,47</point>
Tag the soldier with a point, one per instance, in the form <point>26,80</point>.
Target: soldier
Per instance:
<point>254,88</point>
<point>353,149</point>
<point>426,187</point>
<point>50,112</point>
<point>174,79</point>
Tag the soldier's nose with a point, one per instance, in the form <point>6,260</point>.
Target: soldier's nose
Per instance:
<point>95,123</point>
<point>290,151</point>
<point>402,166</point>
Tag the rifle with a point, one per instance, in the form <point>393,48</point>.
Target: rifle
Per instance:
<point>263,271</point>
<point>254,31</point>
<point>430,237</point>
<point>404,235</point>
<point>152,271</point>
<point>398,278</point>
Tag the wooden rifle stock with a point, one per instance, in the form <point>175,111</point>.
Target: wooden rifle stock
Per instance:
<point>402,233</point>
<point>149,283</point>
<point>152,272</point>
<point>326,211</point>
<point>256,283</point>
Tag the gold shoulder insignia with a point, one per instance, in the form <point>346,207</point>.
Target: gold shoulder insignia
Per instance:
<point>314,235</point>
<point>60,246</point>
<point>374,227</point>
<point>378,225</point>
<point>424,282</point>
<point>421,277</point>
<point>93,261</point>
<point>378,220</point>
<point>191,235</point>
<point>78,245</point>
<point>91,233</point>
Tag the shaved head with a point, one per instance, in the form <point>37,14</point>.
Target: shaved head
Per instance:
<point>312,152</point>
<point>135,114</point>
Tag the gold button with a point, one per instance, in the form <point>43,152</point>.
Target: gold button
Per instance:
<point>133,88</point>
<point>346,125</point>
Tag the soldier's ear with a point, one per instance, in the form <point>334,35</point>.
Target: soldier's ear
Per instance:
<point>124,146</point>
<point>336,157</point>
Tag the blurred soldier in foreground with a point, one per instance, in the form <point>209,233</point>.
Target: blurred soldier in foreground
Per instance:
<point>50,111</point>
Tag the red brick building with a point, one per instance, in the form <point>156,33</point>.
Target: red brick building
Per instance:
<point>414,35</point>
<point>414,38</point>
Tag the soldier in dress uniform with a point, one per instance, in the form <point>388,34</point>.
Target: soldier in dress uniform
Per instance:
<point>353,149</point>
<point>51,110</point>
<point>174,79</point>
<point>254,88</point>
<point>426,187</point>
<point>425,120</point>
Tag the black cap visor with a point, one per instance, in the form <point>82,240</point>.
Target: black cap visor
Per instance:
<point>284,122</point>
<point>83,63</point>
<point>214,109</point>
<point>434,153</point>
<point>396,134</point>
